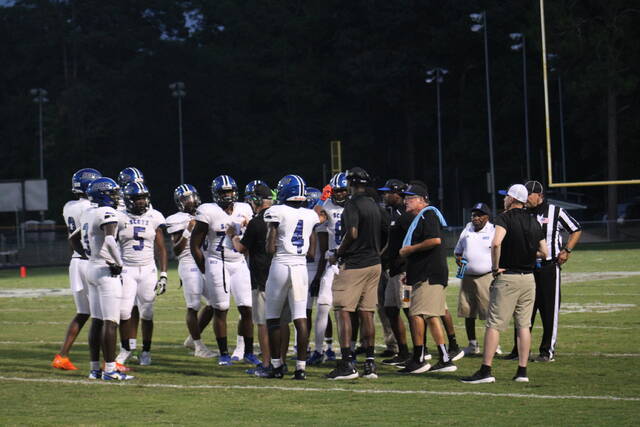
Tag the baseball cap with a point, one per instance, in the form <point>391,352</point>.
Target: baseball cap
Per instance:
<point>481,207</point>
<point>358,175</point>
<point>416,190</point>
<point>534,187</point>
<point>518,192</point>
<point>393,185</point>
<point>263,191</point>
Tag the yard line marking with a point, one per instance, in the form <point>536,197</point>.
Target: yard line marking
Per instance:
<point>322,390</point>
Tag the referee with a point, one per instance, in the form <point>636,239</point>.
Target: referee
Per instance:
<point>553,220</point>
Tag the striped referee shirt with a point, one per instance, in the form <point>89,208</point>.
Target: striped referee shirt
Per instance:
<point>553,220</point>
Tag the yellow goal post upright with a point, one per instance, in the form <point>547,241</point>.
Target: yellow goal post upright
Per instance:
<point>553,184</point>
<point>336,156</point>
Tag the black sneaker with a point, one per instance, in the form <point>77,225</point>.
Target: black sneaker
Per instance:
<point>344,371</point>
<point>388,353</point>
<point>511,356</point>
<point>370,369</point>
<point>270,372</point>
<point>397,360</point>
<point>413,367</point>
<point>456,353</point>
<point>443,367</point>
<point>479,378</point>
<point>299,374</point>
<point>544,359</point>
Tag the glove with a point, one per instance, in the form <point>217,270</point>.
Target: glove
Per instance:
<point>326,192</point>
<point>115,270</point>
<point>161,286</point>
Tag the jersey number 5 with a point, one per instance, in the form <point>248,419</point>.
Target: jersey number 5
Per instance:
<point>297,240</point>
<point>136,236</point>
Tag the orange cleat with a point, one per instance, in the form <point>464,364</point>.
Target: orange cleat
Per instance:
<point>63,363</point>
<point>119,367</point>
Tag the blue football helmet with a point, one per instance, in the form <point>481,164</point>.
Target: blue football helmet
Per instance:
<point>250,187</point>
<point>104,192</point>
<point>133,193</point>
<point>185,193</point>
<point>291,188</point>
<point>129,174</point>
<point>313,197</point>
<point>339,186</point>
<point>220,187</point>
<point>82,178</point>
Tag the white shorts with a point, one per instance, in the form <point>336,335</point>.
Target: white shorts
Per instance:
<point>287,282</point>
<point>193,286</point>
<point>236,282</point>
<point>325,295</point>
<point>104,293</point>
<point>79,285</point>
<point>139,283</point>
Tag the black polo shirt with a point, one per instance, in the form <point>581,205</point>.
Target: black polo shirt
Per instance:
<point>397,231</point>
<point>520,244</point>
<point>430,265</point>
<point>255,240</point>
<point>363,213</point>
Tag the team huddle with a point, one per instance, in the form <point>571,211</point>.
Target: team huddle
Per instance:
<point>280,254</point>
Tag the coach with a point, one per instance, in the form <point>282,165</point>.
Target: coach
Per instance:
<point>518,239</point>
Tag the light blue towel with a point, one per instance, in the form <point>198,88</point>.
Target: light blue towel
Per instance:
<point>414,224</point>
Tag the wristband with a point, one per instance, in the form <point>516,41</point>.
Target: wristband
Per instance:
<point>186,233</point>
<point>567,250</point>
<point>163,274</point>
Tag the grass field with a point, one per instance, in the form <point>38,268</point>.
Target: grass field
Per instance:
<point>595,380</point>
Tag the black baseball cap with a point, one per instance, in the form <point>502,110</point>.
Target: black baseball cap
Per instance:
<point>358,175</point>
<point>534,187</point>
<point>481,207</point>
<point>393,185</point>
<point>261,190</point>
<point>416,190</point>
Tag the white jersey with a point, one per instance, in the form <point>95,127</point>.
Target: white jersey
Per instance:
<point>177,223</point>
<point>334,225</point>
<point>92,220</point>
<point>137,234</point>
<point>218,221</point>
<point>475,247</point>
<point>71,213</point>
<point>294,229</point>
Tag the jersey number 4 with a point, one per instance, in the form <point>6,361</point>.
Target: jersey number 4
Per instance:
<point>85,240</point>
<point>297,240</point>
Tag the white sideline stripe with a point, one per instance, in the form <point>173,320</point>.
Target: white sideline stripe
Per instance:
<point>321,390</point>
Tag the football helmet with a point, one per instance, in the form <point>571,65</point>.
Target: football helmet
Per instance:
<point>224,191</point>
<point>82,178</point>
<point>186,193</point>
<point>358,175</point>
<point>291,188</point>
<point>133,193</point>
<point>103,191</point>
<point>129,174</point>
<point>339,188</point>
<point>313,197</point>
<point>250,188</point>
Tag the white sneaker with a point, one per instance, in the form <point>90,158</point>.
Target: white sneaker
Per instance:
<point>499,351</point>
<point>123,356</point>
<point>472,349</point>
<point>204,352</point>
<point>145,358</point>
<point>237,354</point>
<point>188,343</point>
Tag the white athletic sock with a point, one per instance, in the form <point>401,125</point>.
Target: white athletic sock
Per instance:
<point>133,344</point>
<point>276,363</point>
<point>322,319</point>
<point>239,345</point>
<point>110,367</point>
<point>94,365</point>
<point>300,364</point>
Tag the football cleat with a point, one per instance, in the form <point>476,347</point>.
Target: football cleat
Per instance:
<point>330,355</point>
<point>343,371</point>
<point>119,367</point>
<point>204,352</point>
<point>188,343</point>
<point>270,372</point>
<point>95,374</point>
<point>117,376</point>
<point>299,374</point>
<point>315,358</point>
<point>370,369</point>
<point>225,360</point>
<point>123,356</point>
<point>63,363</point>
<point>145,358</point>
<point>252,359</point>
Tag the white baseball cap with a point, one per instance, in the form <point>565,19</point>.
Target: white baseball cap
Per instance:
<point>518,192</point>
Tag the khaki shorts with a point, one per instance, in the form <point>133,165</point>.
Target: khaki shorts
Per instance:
<point>428,300</point>
<point>356,289</point>
<point>394,291</point>
<point>511,295</point>
<point>473,300</point>
<point>257,311</point>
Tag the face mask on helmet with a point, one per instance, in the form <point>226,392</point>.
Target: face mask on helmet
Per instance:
<point>339,196</point>
<point>137,204</point>
<point>225,198</point>
<point>189,203</point>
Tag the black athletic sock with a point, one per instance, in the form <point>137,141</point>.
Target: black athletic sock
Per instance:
<point>371,352</point>
<point>346,354</point>
<point>125,344</point>
<point>418,353</point>
<point>403,350</point>
<point>453,344</point>
<point>222,346</point>
<point>248,345</point>
<point>522,371</point>
<point>146,345</point>
<point>485,369</point>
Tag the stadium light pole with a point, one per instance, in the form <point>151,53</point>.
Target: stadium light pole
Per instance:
<point>40,97</point>
<point>521,45</point>
<point>480,23</point>
<point>436,75</point>
<point>177,90</point>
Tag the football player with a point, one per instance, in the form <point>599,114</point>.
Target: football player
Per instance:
<point>96,237</point>
<point>127,175</point>
<point>225,269</point>
<point>290,238</point>
<point>77,266</point>
<point>179,226</point>
<point>141,236</point>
